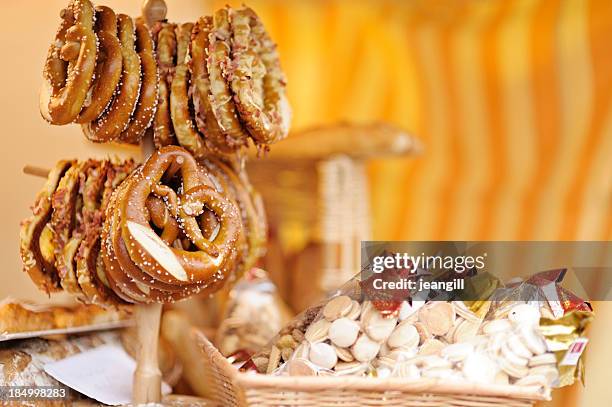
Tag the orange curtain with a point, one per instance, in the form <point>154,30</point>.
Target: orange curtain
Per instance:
<point>511,99</point>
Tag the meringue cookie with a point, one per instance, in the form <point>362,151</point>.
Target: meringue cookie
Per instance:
<point>532,340</point>
<point>317,331</point>
<point>365,349</point>
<point>543,359</point>
<point>532,380</point>
<point>495,326</point>
<point>407,370</point>
<point>323,355</point>
<point>337,307</point>
<point>457,351</point>
<point>438,316</point>
<point>343,332</point>
<point>405,335</point>
<point>377,326</point>
<point>517,346</point>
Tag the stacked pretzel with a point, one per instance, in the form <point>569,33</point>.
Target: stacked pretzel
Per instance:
<point>209,86</point>
<point>110,232</point>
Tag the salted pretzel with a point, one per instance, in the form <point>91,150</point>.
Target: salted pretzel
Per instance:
<point>70,64</point>
<point>186,132</point>
<point>127,280</point>
<point>108,66</point>
<point>116,118</point>
<point>257,79</point>
<point>147,100</point>
<point>36,249</point>
<point>221,97</point>
<point>163,132</point>
<point>149,252</point>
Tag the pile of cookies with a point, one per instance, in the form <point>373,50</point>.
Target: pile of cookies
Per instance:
<point>441,340</point>
<point>209,86</point>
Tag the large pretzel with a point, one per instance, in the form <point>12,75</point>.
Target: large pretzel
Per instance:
<point>186,132</point>
<point>108,66</point>
<point>116,118</point>
<point>257,79</point>
<point>127,280</point>
<point>147,101</point>
<point>70,64</point>
<point>36,247</point>
<point>179,266</point>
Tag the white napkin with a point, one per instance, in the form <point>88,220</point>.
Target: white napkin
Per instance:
<point>103,374</point>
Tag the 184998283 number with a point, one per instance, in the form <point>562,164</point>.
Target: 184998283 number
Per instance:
<point>15,393</point>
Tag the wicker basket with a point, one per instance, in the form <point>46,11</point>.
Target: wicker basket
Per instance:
<point>232,388</point>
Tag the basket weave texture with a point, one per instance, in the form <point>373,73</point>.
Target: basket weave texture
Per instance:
<point>232,388</point>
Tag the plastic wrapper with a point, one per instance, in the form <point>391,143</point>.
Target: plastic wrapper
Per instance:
<point>564,318</point>
<point>510,336</point>
<point>370,323</point>
<point>254,314</point>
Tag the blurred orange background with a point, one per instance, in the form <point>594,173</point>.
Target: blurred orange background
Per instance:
<point>512,100</point>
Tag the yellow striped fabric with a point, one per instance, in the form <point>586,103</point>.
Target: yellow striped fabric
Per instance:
<point>511,98</point>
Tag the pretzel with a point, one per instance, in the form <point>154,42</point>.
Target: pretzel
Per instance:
<point>186,132</point>
<point>147,102</point>
<point>257,80</point>
<point>67,224</point>
<point>70,64</point>
<point>37,253</point>
<point>109,126</point>
<point>204,117</point>
<point>221,101</point>
<point>90,275</point>
<point>150,253</point>
<point>127,280</point>
<point>163,132</point>
<point>108,66</point>
<point>250,208</point>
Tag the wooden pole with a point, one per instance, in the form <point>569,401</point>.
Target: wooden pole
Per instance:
<point>147,376</point>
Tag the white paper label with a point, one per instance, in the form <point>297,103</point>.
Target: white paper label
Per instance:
<point>103,374</point>
<point>574,351</point>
